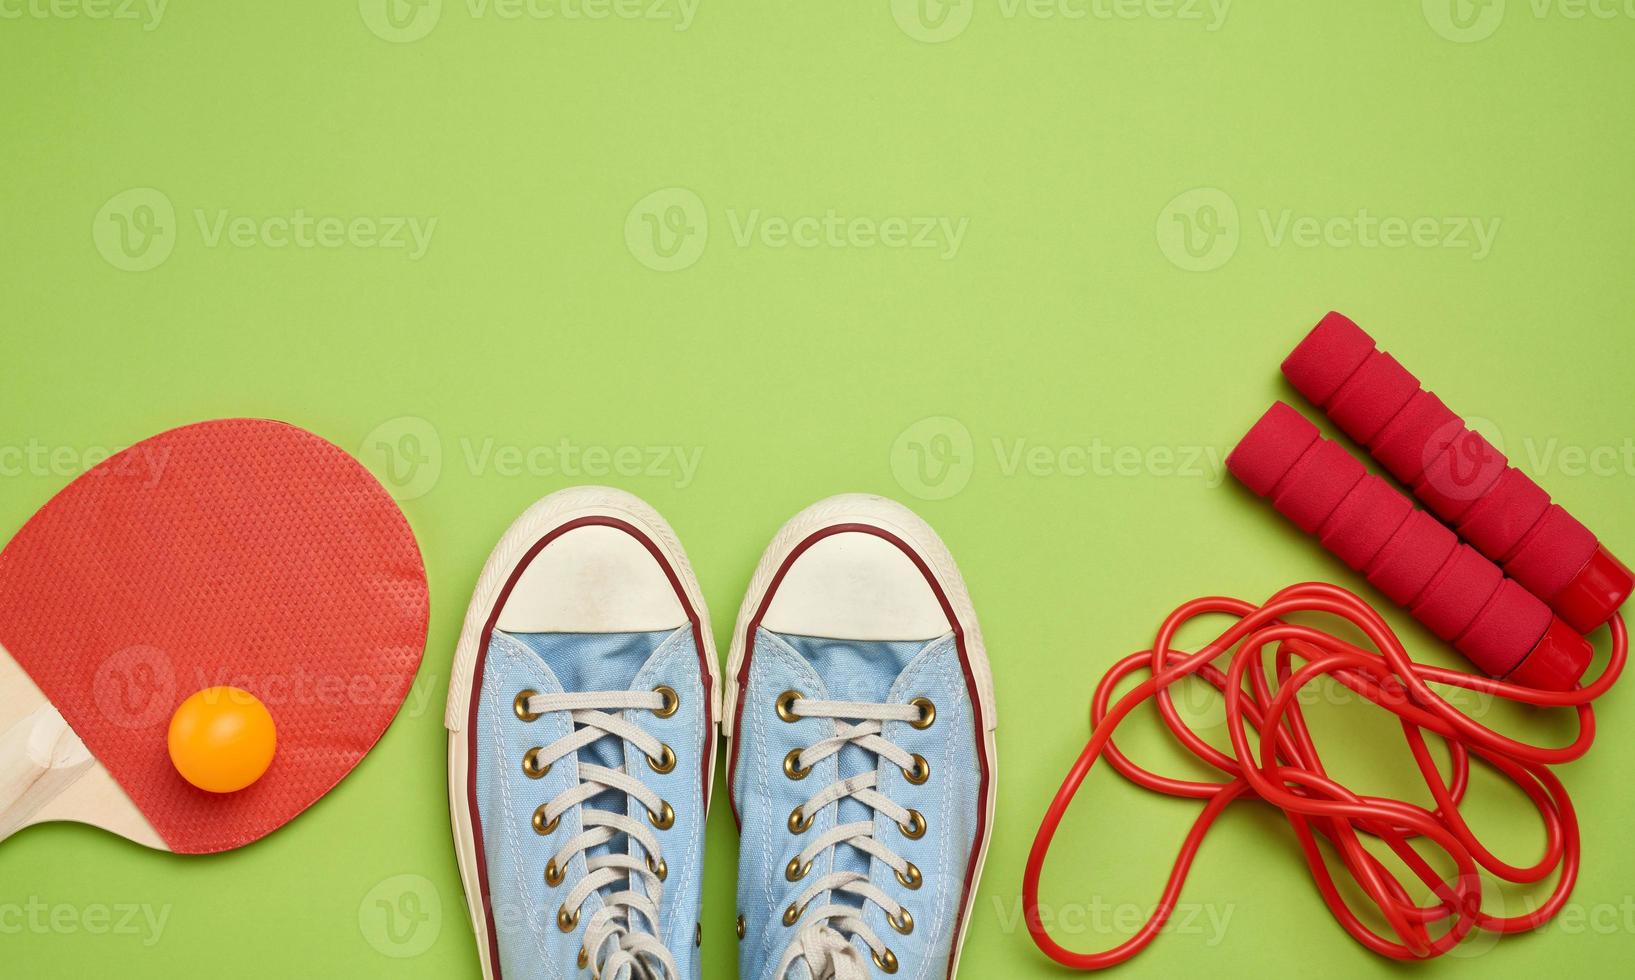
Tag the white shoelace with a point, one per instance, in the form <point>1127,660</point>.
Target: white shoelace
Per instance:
<point>825,941</point>
<point>621,938</point>
<point>829,955</point>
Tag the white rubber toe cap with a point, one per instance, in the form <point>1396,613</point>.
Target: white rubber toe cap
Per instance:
<point>592,579</point>
<point>855,586</point>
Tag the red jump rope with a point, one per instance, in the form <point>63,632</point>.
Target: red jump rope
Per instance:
<point>1531,654</point>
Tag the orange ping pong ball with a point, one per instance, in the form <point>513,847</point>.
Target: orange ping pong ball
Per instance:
<point>222,739</point>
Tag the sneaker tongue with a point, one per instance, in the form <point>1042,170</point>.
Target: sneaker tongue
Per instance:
<point>594,661</point>
<point>857,670</point>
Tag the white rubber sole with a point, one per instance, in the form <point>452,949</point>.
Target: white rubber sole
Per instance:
<point>908,527</point>
<point>550,513</point>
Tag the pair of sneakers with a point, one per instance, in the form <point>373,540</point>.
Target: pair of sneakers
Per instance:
<point>583,708</point>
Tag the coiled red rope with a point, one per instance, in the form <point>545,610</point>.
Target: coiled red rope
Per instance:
<point>1274,759</point>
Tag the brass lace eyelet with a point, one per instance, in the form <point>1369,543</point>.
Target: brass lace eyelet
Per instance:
<point>786,706</point>
<point>531,766</point>
<point>665,763</point>
<point>903,924</point>
<point>910,879</point>
<point>698,934</point>
<point>520,705</point>
<point>672,701</point>
<point>584,957</point>
<point>921,772</point>
<point>567,921</point>
<point>795,870</point>
<point>659,868</point>
<point>915,828</point>
<point>792,914</point>
<point>792,767</point>
<point>799,821</point>
<point>665,818</point>
<point>553,873</point>
<point>886,961</point>
<point>928,713</point>
<point>541,826</point>
<point>743,928</point>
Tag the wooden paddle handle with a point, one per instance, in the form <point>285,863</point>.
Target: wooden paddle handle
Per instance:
<point>40,757</point>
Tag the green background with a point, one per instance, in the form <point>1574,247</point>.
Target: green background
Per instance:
<point>1097,298</point>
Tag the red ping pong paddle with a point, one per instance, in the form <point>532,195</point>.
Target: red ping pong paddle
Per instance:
<point>239,552</point>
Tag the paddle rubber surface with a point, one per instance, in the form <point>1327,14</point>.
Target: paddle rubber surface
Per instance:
<point>238,552</point>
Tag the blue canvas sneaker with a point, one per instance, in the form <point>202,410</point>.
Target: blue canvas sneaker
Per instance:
<point>861,714</point>
<point>581,717</point>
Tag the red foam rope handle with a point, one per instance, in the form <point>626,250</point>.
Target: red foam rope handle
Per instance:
<point>1459,595</point>
<point>1456,473</point>
<point>1274,759</point>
